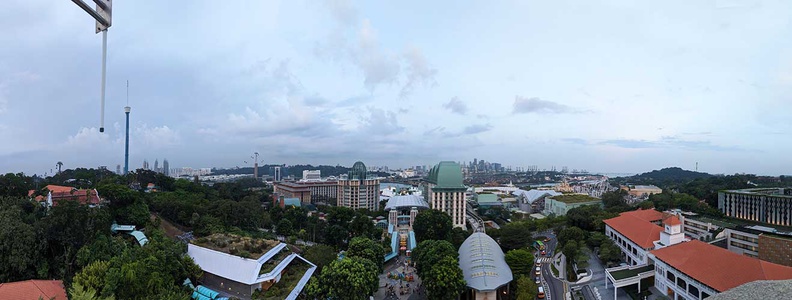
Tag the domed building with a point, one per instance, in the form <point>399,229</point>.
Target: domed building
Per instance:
<point>446,192</point>
<point>358,190</point>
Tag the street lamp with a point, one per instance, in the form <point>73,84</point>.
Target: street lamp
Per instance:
<point>103,16</point>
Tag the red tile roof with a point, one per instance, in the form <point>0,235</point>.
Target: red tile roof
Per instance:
<point>32,290</point>
<point>719,268</point>
<point>649,215</point>
<point>635,228</point>
<point>672,220</point>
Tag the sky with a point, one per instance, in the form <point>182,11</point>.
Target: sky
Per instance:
<point>606,86</point>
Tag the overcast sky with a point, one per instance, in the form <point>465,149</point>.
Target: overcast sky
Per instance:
<point>610,86</point>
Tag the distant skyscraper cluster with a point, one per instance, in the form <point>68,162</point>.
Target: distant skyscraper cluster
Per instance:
<point>482,166</point>
<point>165,169</point>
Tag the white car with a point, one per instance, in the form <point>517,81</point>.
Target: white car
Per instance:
<point>538,271</point>
<point>538,280</point>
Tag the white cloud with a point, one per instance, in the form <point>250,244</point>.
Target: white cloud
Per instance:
<point>378,64</point>
<point>157,137</point>
<point>419,72</point>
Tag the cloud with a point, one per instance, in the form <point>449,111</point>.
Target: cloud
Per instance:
<point>670,142</point>
<point>419,72</point>
<point>3,97</point>
<point>456,106</point>
<point>441,131</point>
<point>575,141</point>
<point>381,122</point>
<point>158,137</point>
<point>476,129</point>
<point>378,65</point>
<point>535,105</point>
<point>343,11</point>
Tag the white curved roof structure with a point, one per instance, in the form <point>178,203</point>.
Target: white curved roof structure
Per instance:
<point>483,263</point>
<point>533,195</point>
<point>406,201</point>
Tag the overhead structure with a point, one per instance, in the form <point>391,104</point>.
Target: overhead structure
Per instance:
<point>103,16</point>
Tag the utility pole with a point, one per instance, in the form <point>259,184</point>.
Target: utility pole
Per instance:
<point>103,17</point>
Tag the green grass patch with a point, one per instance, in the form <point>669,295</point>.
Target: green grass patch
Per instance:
<point>553,268</point>
<point>574,198</point>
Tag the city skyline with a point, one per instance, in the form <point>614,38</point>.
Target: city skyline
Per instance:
<point>618,87</point>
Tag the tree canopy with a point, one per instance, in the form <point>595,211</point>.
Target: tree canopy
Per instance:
<point>520,261</point>
<point>432,224</point>
<point>348,278</point>
<point>429,252</point>
<point>444,280</point>
<point>364,247</point>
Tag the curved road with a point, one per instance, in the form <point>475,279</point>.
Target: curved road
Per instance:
<point>554,288</point>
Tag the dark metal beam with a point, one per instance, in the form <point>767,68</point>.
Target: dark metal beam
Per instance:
<point>92,12</point>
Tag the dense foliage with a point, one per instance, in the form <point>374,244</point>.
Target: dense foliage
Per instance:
<point>432,224</point>
<point>348,278</point>
<point>444,280</point>
<point>520,261</point>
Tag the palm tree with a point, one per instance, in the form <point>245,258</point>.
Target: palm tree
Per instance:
<point>60,164</point>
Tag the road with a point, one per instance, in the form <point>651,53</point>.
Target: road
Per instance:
<point>554,288</point>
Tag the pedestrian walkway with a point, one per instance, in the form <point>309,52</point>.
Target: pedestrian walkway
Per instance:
<point>545,260</point>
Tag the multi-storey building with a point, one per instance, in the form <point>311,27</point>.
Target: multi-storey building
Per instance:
<point>292,190</point>
<point>765,205</point>
<point>311,175</point>
<point>321,190</point>
<point>446,192</point>
<point>357,190</point>
<point>682,268</point>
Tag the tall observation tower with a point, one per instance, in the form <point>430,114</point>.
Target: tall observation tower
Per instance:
<point>126,145</point>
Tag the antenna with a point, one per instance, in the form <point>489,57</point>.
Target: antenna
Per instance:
<point>127,93</point>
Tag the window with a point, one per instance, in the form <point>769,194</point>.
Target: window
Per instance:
<point>693,290</point>
<point>681,283</point>
<point>704,295</point>
<point>670,276</point>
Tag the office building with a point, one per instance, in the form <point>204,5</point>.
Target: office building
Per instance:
<point>445,191</point>
<point>766,205</point>
<point>357,190</point>
<point>322,191</point>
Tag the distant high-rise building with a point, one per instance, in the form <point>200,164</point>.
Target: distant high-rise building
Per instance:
<point>358,190</point>
<point>118,169</point>
<point>145,165</point>
<point>446,192</point>
<point>278,176</point>
<point>156,165</point>
<point>165,167</point>
<point>312,175</point>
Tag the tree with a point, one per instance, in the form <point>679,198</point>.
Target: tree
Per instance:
<point>646,205</point>
<point>526,288</point>
<point>19,246</point>
<point>78,292</point>
<point>520,261</point>
<point>516,235</point>
<point>92,276</point>
<point>362,226</point>
<point>349,278</point>
<point>284,227</point>
<point>458,236</point>
<point>596,239</point>
<point>571,250</point>
<point>432,224</point>
<point>429,252</point>
<point>336,236</point>
<point>445,279</point>
<point>365,248</point>
<point>615,200</point>
<point>320,255</point>
<point>571,234</point>
<point>609,252</point>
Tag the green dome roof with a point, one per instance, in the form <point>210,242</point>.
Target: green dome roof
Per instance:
<point>446,174</point>
<point>358,171</point>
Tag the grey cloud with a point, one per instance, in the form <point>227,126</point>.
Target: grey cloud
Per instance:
<point>343,11</point>
<point>419,72</point>
<point>535,105</point>
<point>377,64</point>
<point>670,142</point>
<point>315,100</point>
<point>381,122</point>
<point>456,106</point>
<point>478,128</point>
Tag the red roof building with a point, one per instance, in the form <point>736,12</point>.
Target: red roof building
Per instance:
<point>65,193</point>
<point>33,290</point>
<point>715,267</point>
